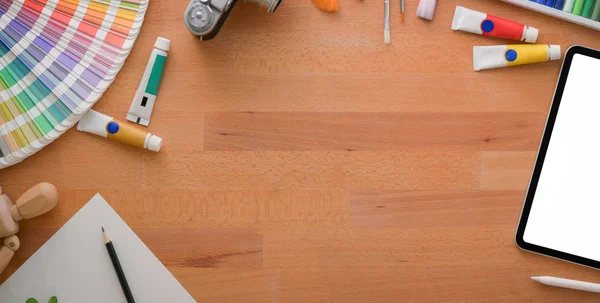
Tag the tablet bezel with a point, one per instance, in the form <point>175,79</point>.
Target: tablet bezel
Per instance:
<point>558,94</point>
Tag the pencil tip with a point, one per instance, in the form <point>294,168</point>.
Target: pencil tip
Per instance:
<point>102,228</point>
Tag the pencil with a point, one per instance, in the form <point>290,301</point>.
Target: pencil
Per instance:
<point>117,265</point>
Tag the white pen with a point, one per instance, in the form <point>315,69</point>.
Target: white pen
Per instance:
<point>386,22</point>
<point>566,283</point>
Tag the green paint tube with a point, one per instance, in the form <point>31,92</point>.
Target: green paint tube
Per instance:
<point>578,7</point>
<point>596,11</point>
<point>143,102</point>
<point>587,8</point>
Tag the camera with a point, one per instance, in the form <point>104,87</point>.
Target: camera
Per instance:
<point>204,18</point>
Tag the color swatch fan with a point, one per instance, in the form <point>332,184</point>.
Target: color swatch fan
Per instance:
<point>57,57</point>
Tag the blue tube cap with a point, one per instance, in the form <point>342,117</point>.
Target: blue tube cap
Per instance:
<point>511,55</point>
<point>487,25</point>
<point>112,128</point>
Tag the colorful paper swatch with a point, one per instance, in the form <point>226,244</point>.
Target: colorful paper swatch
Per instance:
<point>57,57</point>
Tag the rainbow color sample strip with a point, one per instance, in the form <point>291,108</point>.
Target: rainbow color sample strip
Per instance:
<point>589,9</point>
<point>57,57</point>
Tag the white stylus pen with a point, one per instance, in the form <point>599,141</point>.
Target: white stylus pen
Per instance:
<point>566,283</point>
<point>386,22</point>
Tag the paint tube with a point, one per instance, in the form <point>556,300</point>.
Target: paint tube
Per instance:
<point>471,21</point>
<point>145,97</point>
<point>102,125</point>
<point>486,57</point>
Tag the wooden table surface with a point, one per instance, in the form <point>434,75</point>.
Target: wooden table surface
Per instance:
<point>306,161</point>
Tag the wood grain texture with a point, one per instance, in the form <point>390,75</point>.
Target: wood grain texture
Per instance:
<point>506,170</point>
<point>306,161</point>
<point>422,209</point>
<point>372,131</point>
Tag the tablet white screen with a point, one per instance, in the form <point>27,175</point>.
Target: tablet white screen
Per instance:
<point>565,213</point>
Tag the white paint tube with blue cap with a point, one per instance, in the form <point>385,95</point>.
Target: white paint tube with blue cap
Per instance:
<point>486,57</point>
<point>105,126</point>
<point>145,97</point>
<point>475,22</point>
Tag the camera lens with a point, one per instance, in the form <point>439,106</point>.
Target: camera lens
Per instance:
<point>200,17</point>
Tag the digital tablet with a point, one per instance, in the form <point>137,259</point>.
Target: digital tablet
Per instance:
<point>561,214</point>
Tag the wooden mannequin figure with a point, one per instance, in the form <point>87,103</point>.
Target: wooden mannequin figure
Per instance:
<point>37,201</point>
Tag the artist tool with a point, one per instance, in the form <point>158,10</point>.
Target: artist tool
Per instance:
<point>576,11</point>
<point>118,268</point>
<point>74,266</point>
<point>486,57</point>
<point>143,101</point>
<point>104,126</point>
<point>578,7</point>
<point>57,57</point>
<point>205,18</point>
<point>36,201</point>
<point>402,11</point>
<point>479,23</point>
<point>327,5</point>
<point>567,283</point>
<point>426,9</point>
<point>386,22</point>
<point>559,4</point>
<point>568,6</point>
<point>596,11</point>
<point>588,6</point>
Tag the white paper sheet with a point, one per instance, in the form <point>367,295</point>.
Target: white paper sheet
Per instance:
<point>74,265</point>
